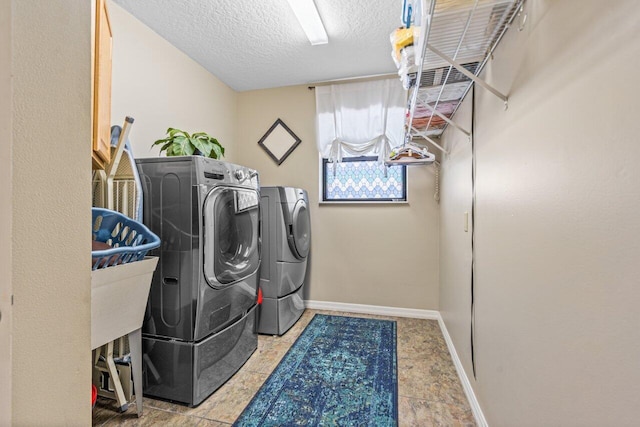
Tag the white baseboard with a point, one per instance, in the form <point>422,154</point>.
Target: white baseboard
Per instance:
<point>373,309</point>
<point>417,314</point>
<point>481,421</point>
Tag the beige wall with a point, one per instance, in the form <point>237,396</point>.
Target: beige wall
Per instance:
<point>161,87</point>
<point>455,243</point>
<point>557,230</point>
<point>367,254</point>
<point>51,207</point>
<point>5,212</point>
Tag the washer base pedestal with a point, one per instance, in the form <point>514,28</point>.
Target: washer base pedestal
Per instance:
<point>189,372</point>
<point>278,315</point>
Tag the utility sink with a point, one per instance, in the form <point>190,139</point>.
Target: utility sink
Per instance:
<point>118,301</point>
<point>119,298</point>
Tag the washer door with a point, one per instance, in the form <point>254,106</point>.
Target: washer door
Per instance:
<point>300,237</point>
<point>231,217</point>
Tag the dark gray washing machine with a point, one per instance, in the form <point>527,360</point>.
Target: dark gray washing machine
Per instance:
<point>199,327</point>
<point>286,240</point>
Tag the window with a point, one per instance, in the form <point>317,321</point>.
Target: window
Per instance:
<point>362,179</point>
<point>357,125</point>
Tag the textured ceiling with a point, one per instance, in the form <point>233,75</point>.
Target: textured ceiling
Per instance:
<point>259,44</point>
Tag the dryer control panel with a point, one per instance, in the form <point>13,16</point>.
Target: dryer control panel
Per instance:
<point>219,172</point>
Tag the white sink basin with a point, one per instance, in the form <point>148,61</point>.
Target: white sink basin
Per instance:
<point>118,299</point>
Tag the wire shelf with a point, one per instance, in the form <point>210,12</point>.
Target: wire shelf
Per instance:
<point>465,31</point>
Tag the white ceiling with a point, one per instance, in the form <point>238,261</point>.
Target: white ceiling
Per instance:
<point>259,44</point>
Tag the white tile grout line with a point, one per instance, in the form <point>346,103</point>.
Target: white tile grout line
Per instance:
<point>417,314</point>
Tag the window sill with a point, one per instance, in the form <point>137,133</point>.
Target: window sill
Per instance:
<point>362,202</point>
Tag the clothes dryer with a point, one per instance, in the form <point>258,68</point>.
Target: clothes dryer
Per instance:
<point>199,327</point>
<point>286,242</point>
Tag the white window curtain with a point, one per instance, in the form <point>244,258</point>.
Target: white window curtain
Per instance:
<point>360,119</point>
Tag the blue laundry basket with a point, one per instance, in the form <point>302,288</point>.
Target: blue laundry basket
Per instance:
<point>129,240</point>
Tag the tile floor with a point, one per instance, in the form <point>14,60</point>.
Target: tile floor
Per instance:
<point>429,391</point>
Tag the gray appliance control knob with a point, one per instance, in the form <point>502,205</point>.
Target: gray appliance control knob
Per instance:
<point>239,175</point>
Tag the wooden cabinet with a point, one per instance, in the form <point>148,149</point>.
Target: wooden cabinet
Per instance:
<point>102,87</point>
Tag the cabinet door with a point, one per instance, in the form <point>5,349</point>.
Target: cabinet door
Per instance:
<point>102,88</point>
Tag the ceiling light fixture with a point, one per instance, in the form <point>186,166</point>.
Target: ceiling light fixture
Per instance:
<point>310,21</point>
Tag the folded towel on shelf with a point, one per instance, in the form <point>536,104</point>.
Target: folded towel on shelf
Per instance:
<point>421,122</point>
<point>444,108</point>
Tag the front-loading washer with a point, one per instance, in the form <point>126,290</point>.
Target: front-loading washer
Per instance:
<point>199,327</point>
<point>286,243</point>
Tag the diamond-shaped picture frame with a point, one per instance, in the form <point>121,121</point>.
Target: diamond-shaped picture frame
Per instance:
<point>279,141</point>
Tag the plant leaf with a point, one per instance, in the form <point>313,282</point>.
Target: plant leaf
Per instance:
<point>178,145</point>
<point>160,141</point>
<point>215,149</point>
<point>166,146</point>
<point>220,147</point>
<point>173,132</point>
<point>202,145</point>
<point>189,149</point>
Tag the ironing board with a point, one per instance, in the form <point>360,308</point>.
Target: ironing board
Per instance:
<point>119,293</point>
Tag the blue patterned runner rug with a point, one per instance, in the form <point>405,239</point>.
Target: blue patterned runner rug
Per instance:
<point>341,371</point>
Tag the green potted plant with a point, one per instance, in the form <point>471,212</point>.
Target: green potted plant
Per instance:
<point>180,143</point>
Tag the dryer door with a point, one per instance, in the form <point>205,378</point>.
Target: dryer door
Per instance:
<point>231,218</point>
<point>300,232</point>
